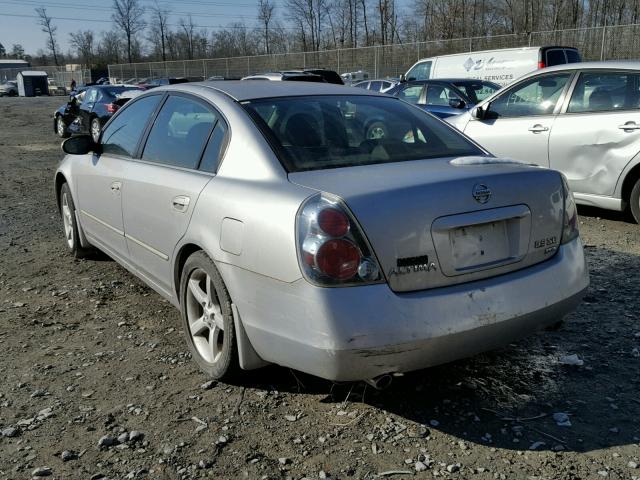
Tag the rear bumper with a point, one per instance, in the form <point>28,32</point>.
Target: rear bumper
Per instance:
<point>362,332</point>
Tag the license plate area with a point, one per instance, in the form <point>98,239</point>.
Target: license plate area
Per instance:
<point>481,240</point>
<point>479,245</point>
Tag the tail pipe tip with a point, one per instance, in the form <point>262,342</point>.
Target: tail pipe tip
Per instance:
<point>381,381</point>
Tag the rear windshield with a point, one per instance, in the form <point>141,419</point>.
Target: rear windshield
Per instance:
<point>312,133</point>
<point>114,92</point>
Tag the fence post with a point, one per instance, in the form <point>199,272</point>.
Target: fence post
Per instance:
<point>375,62</point>
<point>248,68</point>
<point>184,68</point>
<point>204,70</point>
<point>226,64</point>
<point>338,61</point>
<point>604,31</point>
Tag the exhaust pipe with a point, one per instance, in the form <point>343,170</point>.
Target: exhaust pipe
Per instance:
<point>380,382</point>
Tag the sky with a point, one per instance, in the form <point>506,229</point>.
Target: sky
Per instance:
<point>18,19</point>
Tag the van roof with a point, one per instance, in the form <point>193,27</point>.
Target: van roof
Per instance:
<point>521,49</point>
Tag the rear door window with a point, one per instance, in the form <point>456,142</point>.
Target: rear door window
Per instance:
<point>122,134</point>
<point>536,96</point>
<point>179,133</point>
<point>440,95</point>
<point>605,91</point>
<point>375,86</point>
<point>215,148</point>
<point>555,56</point>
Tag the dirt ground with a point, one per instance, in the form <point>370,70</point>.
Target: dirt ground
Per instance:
<point>88,353</point>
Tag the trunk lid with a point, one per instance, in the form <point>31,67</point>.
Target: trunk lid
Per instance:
<point>434,223</point>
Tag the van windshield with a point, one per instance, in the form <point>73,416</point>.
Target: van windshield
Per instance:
<point>319,132</point>
<point>421,71</point>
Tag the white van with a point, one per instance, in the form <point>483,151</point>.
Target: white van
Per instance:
<point>499,66</point>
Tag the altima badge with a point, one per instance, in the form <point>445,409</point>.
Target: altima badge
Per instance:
<point>481,193</point>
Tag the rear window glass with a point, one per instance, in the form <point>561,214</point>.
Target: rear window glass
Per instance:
<point>312,133</point>
<point>114,92</point>
<point>573,56</point>
<point>555,57</point>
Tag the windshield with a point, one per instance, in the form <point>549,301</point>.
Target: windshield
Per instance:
<point>477,90</point>
<point>312,133</point>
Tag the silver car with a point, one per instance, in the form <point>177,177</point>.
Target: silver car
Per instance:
<point>582,119</point>
<point>284,234</point>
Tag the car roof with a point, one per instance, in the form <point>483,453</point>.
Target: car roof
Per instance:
<point>608,65</point>
<point>241,90</point>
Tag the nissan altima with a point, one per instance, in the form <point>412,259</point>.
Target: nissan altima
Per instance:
<point>340,232</point>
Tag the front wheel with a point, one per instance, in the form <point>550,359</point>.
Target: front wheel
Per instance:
<point>61,128</point>
<point>69,223</point>
<point>634,201</point>
<point>95,129</point>
<point>207,318</point>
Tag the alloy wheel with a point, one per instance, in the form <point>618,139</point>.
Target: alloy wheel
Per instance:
<point>67,220</point>
<point>95,130</point>
<point>204,315</point>
<point>60,127</point>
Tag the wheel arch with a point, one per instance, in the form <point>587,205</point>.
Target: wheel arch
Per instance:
<point>59,181</point>
<point>248,358</point>
<point>629,181</point>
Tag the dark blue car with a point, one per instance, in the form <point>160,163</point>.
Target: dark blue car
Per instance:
<point>444,97</point>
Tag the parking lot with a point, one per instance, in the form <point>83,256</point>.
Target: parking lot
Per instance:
<point>88,353</point>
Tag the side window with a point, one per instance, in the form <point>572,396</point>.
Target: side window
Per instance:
<point>375,86</point>
<point>605,91</point>
<point>411,93</point>
<point>421,71</point>
<point>364,85</point>
<point>440,95</point>
<point>555,57</point>
<point>536,96</point>
<point>179,133</point>
<point>123,134</point>
<point>211,158</point>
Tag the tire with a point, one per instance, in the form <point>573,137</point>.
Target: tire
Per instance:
<point>634,201</point>
<point>207,318</point>
<point>376,131</point>
<point>95,128</point>
<point>61,128</point>
<point>70,225</point>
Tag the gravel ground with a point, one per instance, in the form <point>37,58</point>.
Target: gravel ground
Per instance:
<point>97,383</point>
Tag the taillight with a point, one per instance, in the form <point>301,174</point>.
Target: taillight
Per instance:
<point>332,250</point>
<point>570,220</point>
<point>541,64</point>
<point>112,107</point>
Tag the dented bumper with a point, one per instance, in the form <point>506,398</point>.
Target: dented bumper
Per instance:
<point>362,332</point>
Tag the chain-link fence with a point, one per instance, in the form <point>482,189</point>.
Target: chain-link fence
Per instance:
<point>597,43</point>
<point>59,76</point>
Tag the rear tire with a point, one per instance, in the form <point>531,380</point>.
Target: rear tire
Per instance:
<point>70,225</point>
<point>634,201</point>
<point>207,318</point>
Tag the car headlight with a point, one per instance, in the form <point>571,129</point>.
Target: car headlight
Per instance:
<point>570,221</point>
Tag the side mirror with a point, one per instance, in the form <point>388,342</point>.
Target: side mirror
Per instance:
<point>480,113</point>
<point>80,145</point>
<point>456,103</point>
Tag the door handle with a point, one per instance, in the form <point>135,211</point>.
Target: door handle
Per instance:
<point>181,203</point>
<point>115,186</point>
<point>629,126</point>
<point>538,128</point>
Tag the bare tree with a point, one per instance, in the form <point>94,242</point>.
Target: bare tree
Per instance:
<point>83,41</point>
<point>188,29</point>
<point>159,17</point>
<point>45,21</point>
<point>265,14</point>
<point>128,17</point>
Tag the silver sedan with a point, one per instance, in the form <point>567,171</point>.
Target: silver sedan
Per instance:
<point>336,231</point>
<point>582,119</point>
